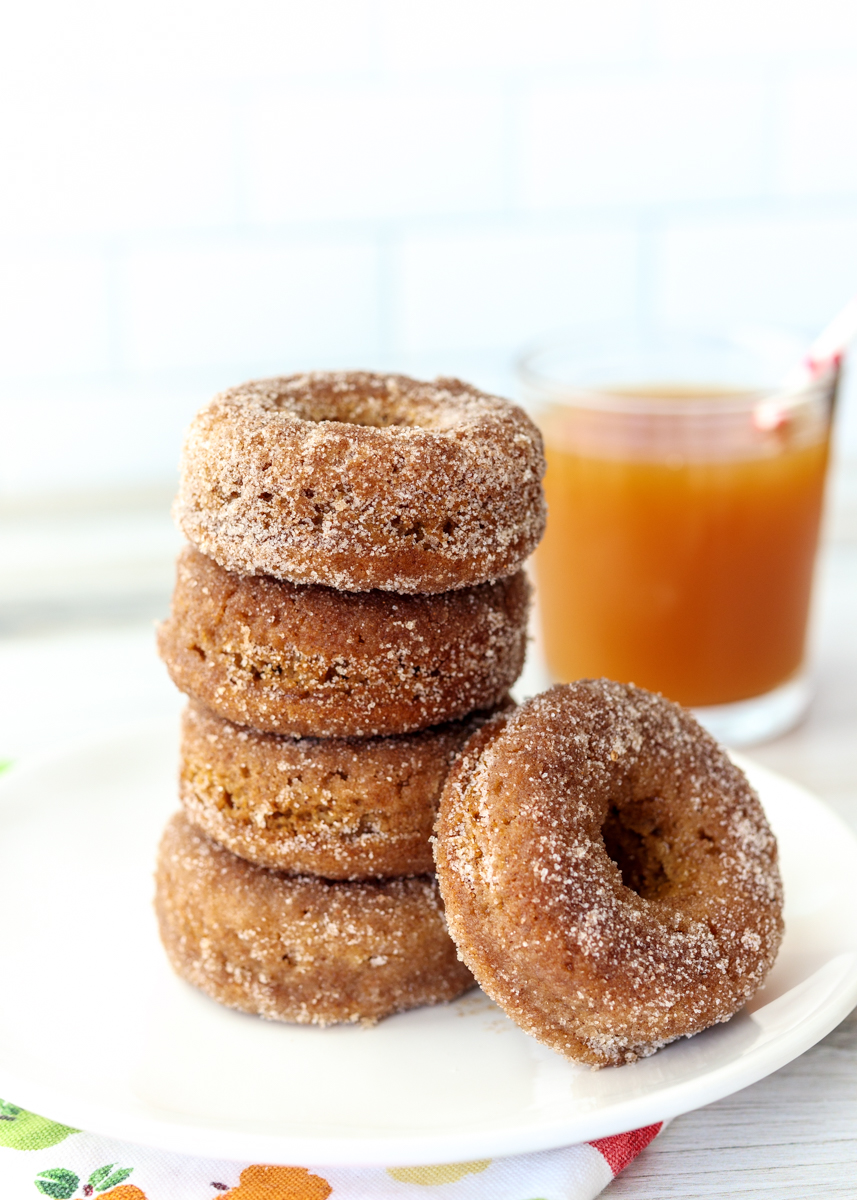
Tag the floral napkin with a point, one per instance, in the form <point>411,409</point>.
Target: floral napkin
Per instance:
<point>39,1157</point>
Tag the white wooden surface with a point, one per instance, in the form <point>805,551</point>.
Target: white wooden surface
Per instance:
<point>790,1137</point>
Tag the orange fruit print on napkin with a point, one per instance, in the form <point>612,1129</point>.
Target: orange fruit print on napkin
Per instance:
<point>279,1183</point>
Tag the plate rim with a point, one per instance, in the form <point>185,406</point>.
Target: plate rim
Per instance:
<point>220,1142</point>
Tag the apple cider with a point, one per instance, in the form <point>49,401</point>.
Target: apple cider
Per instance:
<point>681,537</point>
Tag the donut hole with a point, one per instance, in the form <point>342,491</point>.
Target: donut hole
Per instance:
<point>370,402</point>
<point>375,412</point>
<point>634,841</point>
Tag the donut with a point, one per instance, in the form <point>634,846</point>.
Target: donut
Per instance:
<point>344,808</point>
<point>608,874</point>
<point>312,661</point>
<point>360,481</point>
<point>299,948</point>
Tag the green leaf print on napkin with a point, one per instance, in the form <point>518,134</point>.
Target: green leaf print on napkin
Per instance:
<point>61,1184</point>
<point>22,1130</point>
<point>102,1179</point>
<point>57,1182</point>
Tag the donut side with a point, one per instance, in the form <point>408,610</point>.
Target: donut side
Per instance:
<point>298,948</point>
<point>342,808</point>
<point>360,481</point>
<point>608,874</point>
<point>312,661</point>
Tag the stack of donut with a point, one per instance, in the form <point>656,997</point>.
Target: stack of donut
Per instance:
<point>350,610</point>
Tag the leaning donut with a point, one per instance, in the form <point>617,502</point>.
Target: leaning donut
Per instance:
<point>297,948</point>
<point>343,808</point>
<point>361,481</point>
<point>608,874</point>
<point>312,661</point>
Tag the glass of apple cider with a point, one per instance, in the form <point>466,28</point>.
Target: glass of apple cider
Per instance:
<point>684,490</point>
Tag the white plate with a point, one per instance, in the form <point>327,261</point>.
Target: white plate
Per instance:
<point>96,1032</point>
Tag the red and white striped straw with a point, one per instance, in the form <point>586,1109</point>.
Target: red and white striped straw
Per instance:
<point>827,351</point>
<point>823,357</point>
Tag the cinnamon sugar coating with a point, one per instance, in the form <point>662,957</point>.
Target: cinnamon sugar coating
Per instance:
<point>358,481</point>
<point>609,875</point>
<point>343,808</point>
<point>312,661</point>
<point>298,948</point>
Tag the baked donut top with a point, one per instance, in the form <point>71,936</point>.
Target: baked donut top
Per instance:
<point>357,481</point>
<point>366,399</point>
<point>592,764</point>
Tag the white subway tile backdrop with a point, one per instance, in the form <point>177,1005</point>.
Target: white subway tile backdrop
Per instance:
<point>643,141</point>
<point>262,300</point>
<point>199,192</point>
<point>500,283</point>
<point>785,266</point>
<point>392,150</point>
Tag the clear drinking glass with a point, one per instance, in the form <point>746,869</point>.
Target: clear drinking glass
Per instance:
<point>684,490</point>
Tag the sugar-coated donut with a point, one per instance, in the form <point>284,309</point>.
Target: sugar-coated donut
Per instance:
<point>298,948</point>
<point>360,481</point>
<point>315,662</point>
<point>608,874</point>
<point>344,808</point>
